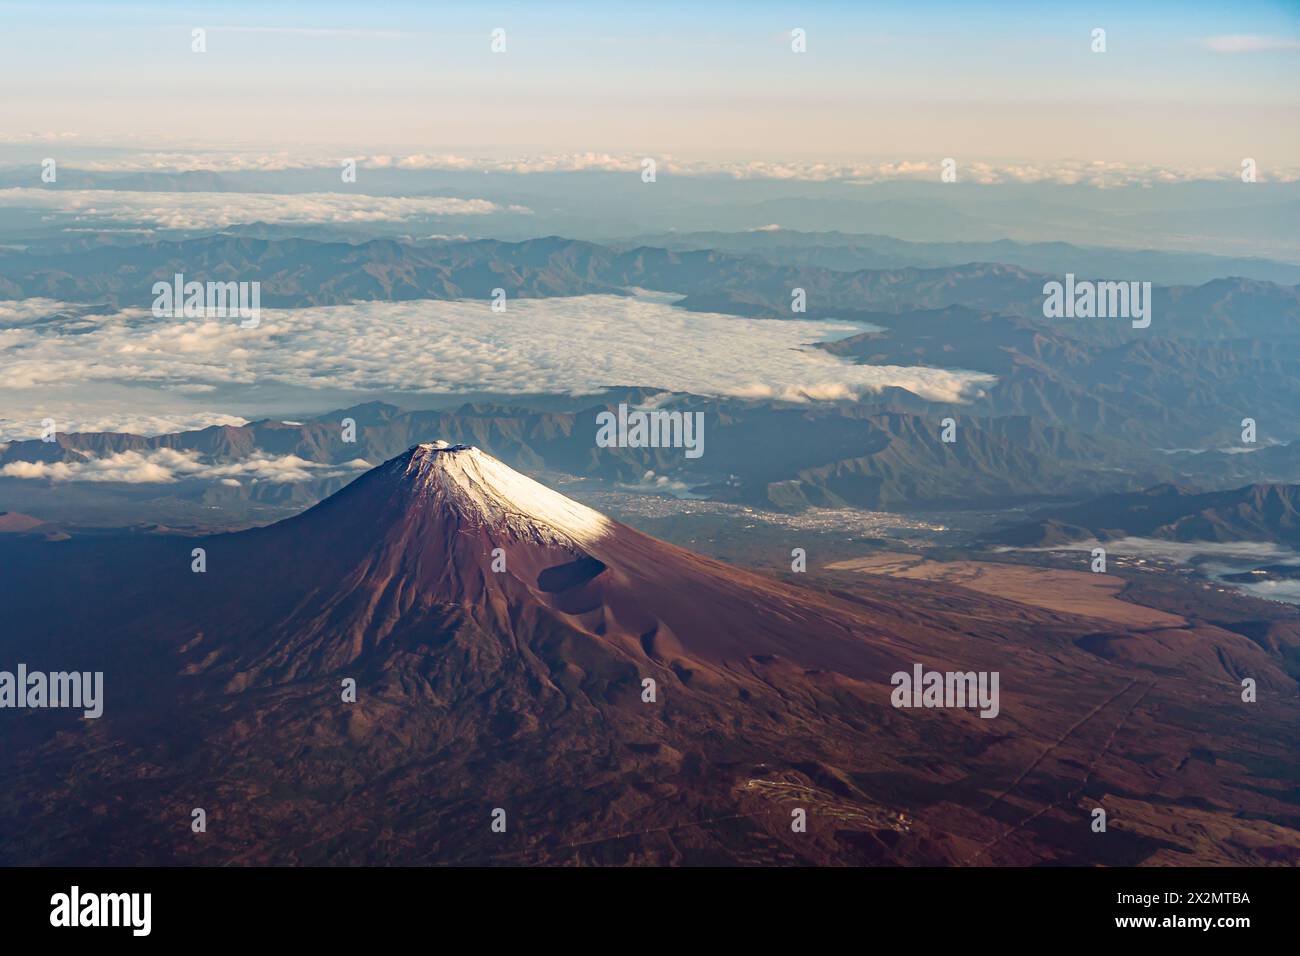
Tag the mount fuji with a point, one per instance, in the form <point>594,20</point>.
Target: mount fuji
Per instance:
<point>372,680</point>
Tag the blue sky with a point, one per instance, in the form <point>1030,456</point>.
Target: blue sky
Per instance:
<point>1180,83</point>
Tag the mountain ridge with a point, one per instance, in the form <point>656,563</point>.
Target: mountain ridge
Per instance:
<point>1256,512</point>
<point>307,272</point>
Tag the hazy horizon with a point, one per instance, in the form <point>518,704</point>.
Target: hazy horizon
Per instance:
<point>1178,87</point>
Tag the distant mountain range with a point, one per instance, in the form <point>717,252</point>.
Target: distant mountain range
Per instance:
<point>1169,512</point>
<point>850,252</point>
<point>1078,406</point>
<point>1214,354</point>
<point>1158,390</point>
<point>302,272</point>
<point>1216,218</point>
<point>786,457</point>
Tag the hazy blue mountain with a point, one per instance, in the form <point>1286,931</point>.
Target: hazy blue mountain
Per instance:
<point>848,252</point>
<point>1171,512</point>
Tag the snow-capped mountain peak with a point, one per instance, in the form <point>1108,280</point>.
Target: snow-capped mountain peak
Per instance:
<point>482,490</point>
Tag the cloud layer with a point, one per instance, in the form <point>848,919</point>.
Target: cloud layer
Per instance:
<point>565,345</point>
<point>98,415</point>
<point>922,168</point>
<point>203,210</point>
<point>168,465</point>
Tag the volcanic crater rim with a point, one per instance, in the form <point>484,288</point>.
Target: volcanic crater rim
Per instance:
<point>440,446</point>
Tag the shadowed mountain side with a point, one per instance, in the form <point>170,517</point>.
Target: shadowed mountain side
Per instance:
<point>1169,512</point>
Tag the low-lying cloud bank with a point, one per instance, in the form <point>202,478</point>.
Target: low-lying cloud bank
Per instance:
<point>100,415</point>
<point>573,346</point>
<point>168,465</point>
<point>208,210</point>
<point>1099,173</point>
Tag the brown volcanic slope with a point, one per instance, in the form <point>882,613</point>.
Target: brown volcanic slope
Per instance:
<point>521,689</point>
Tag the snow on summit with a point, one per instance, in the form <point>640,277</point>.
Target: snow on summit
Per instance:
<point>478,487</point>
